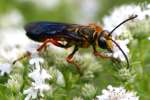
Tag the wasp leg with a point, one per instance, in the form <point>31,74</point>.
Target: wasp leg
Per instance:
<point>99,54</point>
<point>54,42</point>
<point>44,45</point>
<point>69,59</point>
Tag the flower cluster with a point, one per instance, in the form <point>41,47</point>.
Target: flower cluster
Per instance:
<point>39,77</point>
<point>126,75</point>
<point>124,32</point>
<point>117,93</point>
<point>127,10</point>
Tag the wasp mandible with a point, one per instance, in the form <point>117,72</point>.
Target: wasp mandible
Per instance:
<point>79,36</point>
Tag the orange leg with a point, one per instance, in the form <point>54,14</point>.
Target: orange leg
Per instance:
<point>99,54</point>
<point>69,59</point>
<point>44,45</point>
<point>54,42</point>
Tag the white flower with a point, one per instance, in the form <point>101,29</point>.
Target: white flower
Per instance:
<point>148,6</point>
<point>36,61</point>
<point>57,75</point>
<point>88,90</point>
<point>31,93</point>
<point>120,14</point>
<point>11,48</point>
<point>60,78</point>
<point>117,16</point>
<point>35,90</point>
<point>32,49</point>
<point>39,85</point>
<point>148,38</point>
<point>14,82</point>
<point>9,54</point>
<point>125,74</point>
<point>117,52</point>
<point>39,76</point>
<point>11,18</point>
<point>117,93</point>
<point>13,38</point>
<point>5,68</point>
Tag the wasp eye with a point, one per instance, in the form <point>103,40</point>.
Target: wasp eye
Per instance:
<point>102,43</point>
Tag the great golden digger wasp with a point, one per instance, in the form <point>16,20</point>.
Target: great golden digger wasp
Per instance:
<point>79,36</point>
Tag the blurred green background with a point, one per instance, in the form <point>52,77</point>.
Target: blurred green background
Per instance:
<point>62,10</point>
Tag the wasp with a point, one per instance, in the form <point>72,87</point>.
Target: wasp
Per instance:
<point>79,36</point>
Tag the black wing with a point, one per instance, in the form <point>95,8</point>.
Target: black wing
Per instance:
<point>39,31</point>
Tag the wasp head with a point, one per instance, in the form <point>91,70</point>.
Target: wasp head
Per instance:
<point>104,41</point>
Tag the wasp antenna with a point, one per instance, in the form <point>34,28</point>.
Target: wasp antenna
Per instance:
<point>130,18</point>
<point>128,65</point>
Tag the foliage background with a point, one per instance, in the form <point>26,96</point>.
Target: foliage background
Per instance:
<point>100,77</point>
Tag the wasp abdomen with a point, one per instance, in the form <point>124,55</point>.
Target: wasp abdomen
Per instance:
<point>39,31</point>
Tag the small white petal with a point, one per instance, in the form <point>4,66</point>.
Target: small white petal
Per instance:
<point>13,17</point>
<point>32,49</point>
<point>116,17</point>
<point>31,93</point>
<point>5,68</point>
<point>117,93</point>
<point>110,87</point>
<point>117,52</point>
<point>36,60</point>
<point>60,78</point>
<point>45,74</point>
<point>36,89</point>
<point>39,76</point>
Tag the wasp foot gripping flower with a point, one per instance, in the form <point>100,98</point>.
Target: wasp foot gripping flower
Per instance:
<point>117,93</point>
